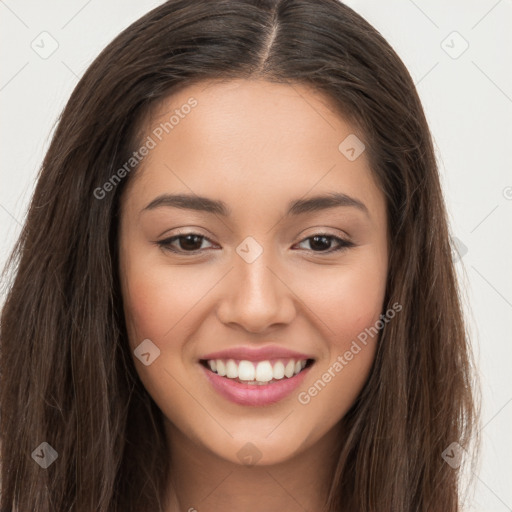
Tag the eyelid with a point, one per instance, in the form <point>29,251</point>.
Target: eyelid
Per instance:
<point>183,232</point>
<point>319,230</point>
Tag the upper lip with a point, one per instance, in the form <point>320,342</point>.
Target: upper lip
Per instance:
<point>256,354</point>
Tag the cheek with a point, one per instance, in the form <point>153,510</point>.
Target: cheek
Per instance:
<point>349,307</point>
<point>358,307</point>
<point>157,299</point>
<point>158,303</point>
<point>347,301</point>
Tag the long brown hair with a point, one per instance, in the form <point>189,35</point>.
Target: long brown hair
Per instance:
<point>67,377</point>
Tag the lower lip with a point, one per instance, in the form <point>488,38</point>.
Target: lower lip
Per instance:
<point>254,394</point>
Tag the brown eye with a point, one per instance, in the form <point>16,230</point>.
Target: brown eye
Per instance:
<point>322,243</point>
<point>188,242</point>
<point>192,242</point>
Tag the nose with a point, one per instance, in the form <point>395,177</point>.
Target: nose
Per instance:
<point>256,296</point>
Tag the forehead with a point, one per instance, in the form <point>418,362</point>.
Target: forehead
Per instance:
<point>251,138</point>
<point>252,111</point>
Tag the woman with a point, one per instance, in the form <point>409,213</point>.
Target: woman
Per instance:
<point>313,354</point>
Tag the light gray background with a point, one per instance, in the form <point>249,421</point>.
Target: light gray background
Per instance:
<point>468,101</point>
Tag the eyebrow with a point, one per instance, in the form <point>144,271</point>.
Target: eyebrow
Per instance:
<point>295,207</point>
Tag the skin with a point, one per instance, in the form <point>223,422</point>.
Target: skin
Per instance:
<point>256,146</point>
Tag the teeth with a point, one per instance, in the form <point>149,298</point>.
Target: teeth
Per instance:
<point>289,369</point>
<point>221,368</point>
<point>246,370</point>
<point>278,370</point>
<point>264,371</point>
<point>256,373</point>
<point>231,369</point>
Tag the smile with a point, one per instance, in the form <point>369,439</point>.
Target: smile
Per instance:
<point>255,383</point>
<point>257,373</point>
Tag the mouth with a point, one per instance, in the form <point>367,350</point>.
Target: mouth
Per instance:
<point>257,373</point>
<point>256,383</point>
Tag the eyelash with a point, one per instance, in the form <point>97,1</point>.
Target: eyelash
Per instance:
<point>166,244</point>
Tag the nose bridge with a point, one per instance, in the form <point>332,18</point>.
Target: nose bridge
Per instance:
<point>256,296</point>
<point>256,281</point>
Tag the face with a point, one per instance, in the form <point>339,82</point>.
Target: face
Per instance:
<point>259,279</point>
